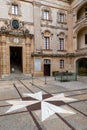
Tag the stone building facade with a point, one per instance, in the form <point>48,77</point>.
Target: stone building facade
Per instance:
<point>41,37</point>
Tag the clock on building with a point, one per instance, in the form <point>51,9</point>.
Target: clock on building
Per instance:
<point>15,24</point>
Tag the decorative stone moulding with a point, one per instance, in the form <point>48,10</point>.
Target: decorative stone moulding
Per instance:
<point>16,24</point>
<point>16,28</point>
<point>3,29</point>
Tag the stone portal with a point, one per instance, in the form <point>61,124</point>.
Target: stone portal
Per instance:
<point>16,59</point>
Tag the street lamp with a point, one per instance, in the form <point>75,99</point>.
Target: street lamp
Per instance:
<point>32,80</point>
<point>32,76</point>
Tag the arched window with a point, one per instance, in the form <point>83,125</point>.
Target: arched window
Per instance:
<point>61,41</point>
<point>46,42</point>
<point>46,39</point>
<point>61,44</point>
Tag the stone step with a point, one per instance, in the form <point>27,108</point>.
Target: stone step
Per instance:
<point>16,76</point>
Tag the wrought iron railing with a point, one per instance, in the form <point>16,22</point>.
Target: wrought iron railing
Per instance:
<point>66,76</point>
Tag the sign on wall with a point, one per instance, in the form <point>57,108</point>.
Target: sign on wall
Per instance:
<point>37,64</point>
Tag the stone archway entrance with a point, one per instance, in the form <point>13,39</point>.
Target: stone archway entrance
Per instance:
<point>81,66</point>
<point>16,59</point>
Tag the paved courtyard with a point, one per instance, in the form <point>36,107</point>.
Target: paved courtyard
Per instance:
<point>64,104</point>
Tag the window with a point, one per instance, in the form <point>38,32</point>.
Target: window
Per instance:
<point>85,38</point>
<point>46,15</point>
<point>61,17</point>
<point>61,63</point>
<point>46,43</point>
<point>46,61</point>
<point>15,9</point>
<point>61,43</point>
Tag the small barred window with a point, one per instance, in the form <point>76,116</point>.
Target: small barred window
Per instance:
<point>61,63</point>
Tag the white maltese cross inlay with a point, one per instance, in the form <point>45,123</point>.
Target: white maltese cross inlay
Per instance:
<point>49,104</point>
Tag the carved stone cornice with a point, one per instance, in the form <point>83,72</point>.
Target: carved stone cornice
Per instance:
<point>38,4</point>
<point>36,54</point>
<point>54,27</point>
<point>71,55</point>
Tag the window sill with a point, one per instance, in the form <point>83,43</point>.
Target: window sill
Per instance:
<point>61,22</point>
<point>14,14</point>
<point>47,49</point>
<point>47,20</point>
<point>62,50</point>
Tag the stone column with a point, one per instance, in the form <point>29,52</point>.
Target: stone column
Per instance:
<point>37,27</point>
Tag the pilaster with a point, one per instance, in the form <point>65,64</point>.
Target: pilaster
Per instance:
<point>37,27</point>
<point>3,58</point>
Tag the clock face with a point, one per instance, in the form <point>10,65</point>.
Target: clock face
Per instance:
<point>15,24</point>
<point>16,40</point>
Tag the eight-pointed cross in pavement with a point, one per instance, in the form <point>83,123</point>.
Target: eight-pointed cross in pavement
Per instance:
<point>47,103</point>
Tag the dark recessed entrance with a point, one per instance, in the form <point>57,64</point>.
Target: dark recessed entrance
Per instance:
<point>47,70</point>
<point>16,59</point>
<point>82,66</point>
<point>47,67</point>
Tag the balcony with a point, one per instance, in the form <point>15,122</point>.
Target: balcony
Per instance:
<point>81,20</point>
<point>81,52</point>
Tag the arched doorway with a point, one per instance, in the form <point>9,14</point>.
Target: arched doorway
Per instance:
<point>47,66</point>
<point>81,66</point>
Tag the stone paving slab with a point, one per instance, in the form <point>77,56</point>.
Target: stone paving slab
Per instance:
<point>21,88</point>
<point>30,86</point>
<point>52,123</point>
<point>49,87</point>
<point>55,123</point>
<point>74,85</point>
<point>55,89</point>
<point>81,97</point>
<point>21,121</point>
<point>78,121</point>
<point>82,106</point>
<point>8,92</point>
